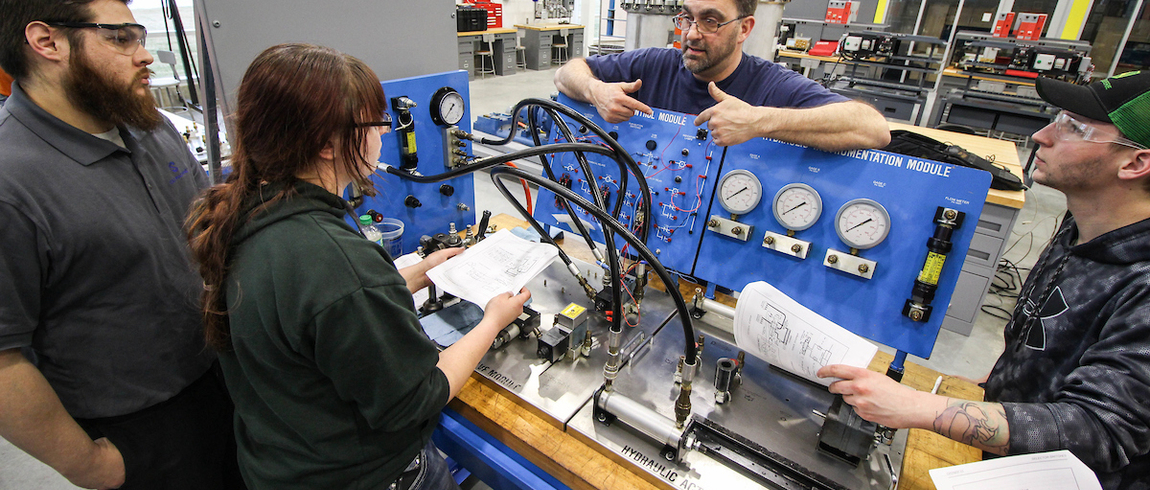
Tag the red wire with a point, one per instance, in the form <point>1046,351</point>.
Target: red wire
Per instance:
<point>526,190</point>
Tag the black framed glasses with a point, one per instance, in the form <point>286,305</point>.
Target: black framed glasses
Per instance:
<point>705,26</point>
<point>384,122</point>
<point>127,38</point>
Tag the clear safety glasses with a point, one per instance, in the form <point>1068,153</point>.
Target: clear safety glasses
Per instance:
<point>1070,129</point>
<point>127,38</point>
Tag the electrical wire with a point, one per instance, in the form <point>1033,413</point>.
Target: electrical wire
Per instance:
<point>526,189</point>
<point>625,161</point>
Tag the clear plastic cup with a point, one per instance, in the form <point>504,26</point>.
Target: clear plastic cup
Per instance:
<point>392,236</point>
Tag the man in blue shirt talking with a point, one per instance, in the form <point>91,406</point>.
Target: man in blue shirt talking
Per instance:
<point>739,96</point>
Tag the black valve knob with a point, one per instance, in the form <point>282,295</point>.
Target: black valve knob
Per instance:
<point>651,145</point>
<point>412,202</point>
<point>686,152</point>
<point>446,190</point>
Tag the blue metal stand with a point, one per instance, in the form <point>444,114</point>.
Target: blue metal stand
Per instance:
<point>896,368</point>
<point>488,459</point>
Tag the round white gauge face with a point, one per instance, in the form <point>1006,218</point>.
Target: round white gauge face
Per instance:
<point>739,191</point>
<point>862,223</point>
<point>797,206</point>
<point>447,107</point>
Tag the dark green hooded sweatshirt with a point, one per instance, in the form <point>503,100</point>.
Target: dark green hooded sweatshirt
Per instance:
<point>334,382</point>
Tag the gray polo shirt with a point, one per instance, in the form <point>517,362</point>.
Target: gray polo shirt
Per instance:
<point>95,272</point>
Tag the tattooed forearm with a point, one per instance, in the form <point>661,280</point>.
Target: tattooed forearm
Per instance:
<point>979,424</point>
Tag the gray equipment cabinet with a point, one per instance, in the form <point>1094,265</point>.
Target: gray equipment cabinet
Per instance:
<point>467,55</point>
<point>575,43</point>
<point>990,237</point>
<point>539,39</point>
<point>538,52</point>
<point>504,53</point>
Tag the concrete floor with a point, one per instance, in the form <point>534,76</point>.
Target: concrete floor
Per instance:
<point>971,356</point>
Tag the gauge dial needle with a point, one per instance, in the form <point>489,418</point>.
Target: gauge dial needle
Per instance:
<point>737,192</point>
<point>804,203</point>
<point>868,220</point>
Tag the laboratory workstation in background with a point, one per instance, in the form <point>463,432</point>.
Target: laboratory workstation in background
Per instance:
<point>685,292</point>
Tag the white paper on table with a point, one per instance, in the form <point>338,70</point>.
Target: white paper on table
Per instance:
<point>501,263</point>
<point>1055,470</point>
<point>419,297</point>
<point>777,329</point>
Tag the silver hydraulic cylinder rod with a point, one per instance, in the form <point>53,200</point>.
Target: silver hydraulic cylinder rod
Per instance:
<point>641,418</point>
<point>714,307</point>
<point>711,306</point>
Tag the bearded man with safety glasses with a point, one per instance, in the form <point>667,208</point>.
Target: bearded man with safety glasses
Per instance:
<point>1075,373</point>
<point>737,95</point>
<point>104,375</point>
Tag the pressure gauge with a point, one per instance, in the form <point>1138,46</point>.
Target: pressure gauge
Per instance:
<point>740,191</point>
<point>862,223</point>
<point>447,107</point>
<point>797,206</point>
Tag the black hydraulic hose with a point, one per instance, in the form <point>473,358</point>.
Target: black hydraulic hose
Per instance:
<point>587,170</point>
<point>500,159</point>
<point>576,222</point>
<point>597,197</point>
<point>494,160</point>
<point>616,319</point>
<point>623,154</point>
<point>690,348</point>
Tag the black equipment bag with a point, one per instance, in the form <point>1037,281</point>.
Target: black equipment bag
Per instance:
<point>916,145</point>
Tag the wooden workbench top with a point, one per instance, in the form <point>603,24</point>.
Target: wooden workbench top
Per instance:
<point>787,53</point>
<point>548,27</point>
<point>1000,152</point>
<point>497,30</point>
<point>581,465</point>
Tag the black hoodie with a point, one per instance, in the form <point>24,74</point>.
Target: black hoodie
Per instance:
<point>334,382</point>
<point>1076,375</point>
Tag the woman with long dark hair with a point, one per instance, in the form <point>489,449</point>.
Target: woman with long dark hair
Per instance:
<point>334,382</point>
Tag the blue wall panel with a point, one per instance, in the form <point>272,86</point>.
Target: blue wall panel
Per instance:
<point>437,209</point>
<point>910,189</point>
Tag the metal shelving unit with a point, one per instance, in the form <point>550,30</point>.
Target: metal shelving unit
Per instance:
<point>890,71</point>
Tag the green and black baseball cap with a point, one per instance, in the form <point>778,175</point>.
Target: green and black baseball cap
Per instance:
<point>1123,100</point>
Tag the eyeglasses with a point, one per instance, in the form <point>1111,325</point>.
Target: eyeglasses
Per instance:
<point>384,122</point>
<point>705,26</point>
<point>127,38</point>
<point>1069,128</point>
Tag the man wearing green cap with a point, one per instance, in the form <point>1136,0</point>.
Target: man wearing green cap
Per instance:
<point>1075,373</point>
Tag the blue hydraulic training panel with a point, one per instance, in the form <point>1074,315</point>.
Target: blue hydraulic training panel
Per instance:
<point>850,184</point>
<point>425,209</point>
<point>680,162</point>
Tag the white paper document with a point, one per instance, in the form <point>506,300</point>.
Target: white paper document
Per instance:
<point>501,263</point>
<point>1056,470</point>
<point>777,329</point>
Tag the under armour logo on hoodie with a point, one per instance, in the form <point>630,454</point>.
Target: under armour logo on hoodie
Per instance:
<point>1055,305</point>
